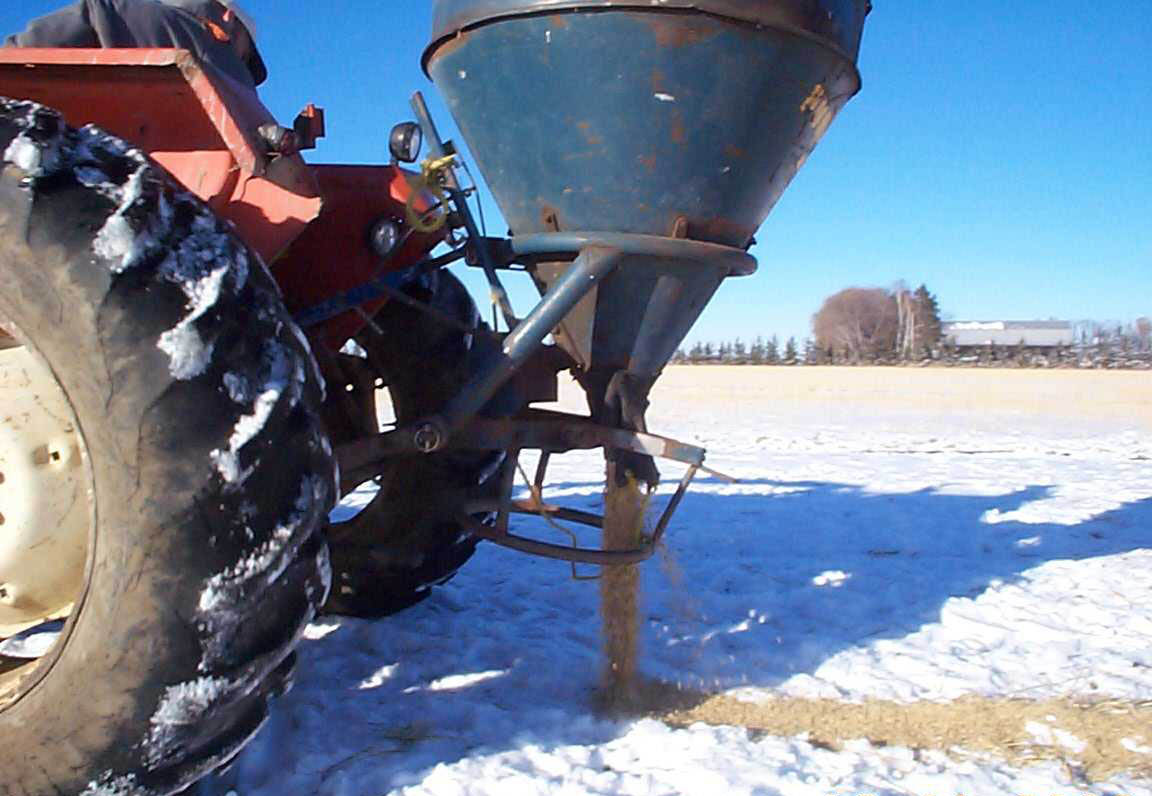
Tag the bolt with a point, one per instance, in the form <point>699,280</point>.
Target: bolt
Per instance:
<point>427,438</point>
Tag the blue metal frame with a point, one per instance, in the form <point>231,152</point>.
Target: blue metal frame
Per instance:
<point>590,267</point>
<point>737,261</point>
<point>597,256</point>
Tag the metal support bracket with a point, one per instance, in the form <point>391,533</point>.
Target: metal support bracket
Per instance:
<point>591,266</point>
<point>500,534</point>
<point>548,432</point>
<point>458,426</point>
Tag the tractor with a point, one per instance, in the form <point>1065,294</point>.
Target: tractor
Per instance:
<point>200,334</point>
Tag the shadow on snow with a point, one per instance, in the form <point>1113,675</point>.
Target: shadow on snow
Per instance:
<point>507,654</point>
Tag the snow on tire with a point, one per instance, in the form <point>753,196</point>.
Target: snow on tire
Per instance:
<point>210,474</point>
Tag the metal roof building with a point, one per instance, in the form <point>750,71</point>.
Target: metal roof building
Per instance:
<point>1034,334</point>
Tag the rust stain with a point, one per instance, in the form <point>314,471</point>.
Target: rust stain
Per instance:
<point>590,138</point>
<point>821,110</point>
<point>721,230</point>
<point>679,135</point>
<point>657,81</point>
<point>549,217</point>
<point>734,151</point>
<point>649,163</point>
<point>449,46</point>
<point>673,30</point>
<point>560,21</point>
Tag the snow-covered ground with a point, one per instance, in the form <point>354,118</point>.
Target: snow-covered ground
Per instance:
<point>898,550</point>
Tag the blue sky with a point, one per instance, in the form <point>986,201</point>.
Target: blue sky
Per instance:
<point>1001,153</point>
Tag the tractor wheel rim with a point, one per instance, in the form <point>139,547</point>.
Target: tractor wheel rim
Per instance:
<point>46,512</point>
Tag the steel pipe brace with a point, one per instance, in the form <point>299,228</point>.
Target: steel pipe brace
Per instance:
<point>593,264</point>
<point>539,246</point>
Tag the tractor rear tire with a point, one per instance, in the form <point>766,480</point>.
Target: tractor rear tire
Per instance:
<point>210,476</point>
<point>410,538</point>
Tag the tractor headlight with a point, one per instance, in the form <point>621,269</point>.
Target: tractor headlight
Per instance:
<point>405,141</point>
<point>384,237</point>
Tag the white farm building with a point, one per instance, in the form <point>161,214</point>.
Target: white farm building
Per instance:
<point>1031,334</point>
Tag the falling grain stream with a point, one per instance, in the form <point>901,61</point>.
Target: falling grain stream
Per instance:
<point>625,504</point>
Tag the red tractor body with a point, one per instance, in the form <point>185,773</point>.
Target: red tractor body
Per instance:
<point>308,222</point>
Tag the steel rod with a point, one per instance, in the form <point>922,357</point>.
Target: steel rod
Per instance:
<point>737,261</point>
<point>384,285</point>
<point>582,276</point>
<point>460,204</point>
<point>579,555</point>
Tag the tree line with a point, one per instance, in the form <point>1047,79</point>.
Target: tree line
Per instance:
<point>897,326</point>
<point>760,351</point>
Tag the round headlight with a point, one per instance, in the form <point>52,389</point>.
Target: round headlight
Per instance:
<point>405,141</point>
<point>384,237</point>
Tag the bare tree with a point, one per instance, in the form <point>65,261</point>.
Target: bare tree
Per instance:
<point>861,323</point>
<point>905,321</point>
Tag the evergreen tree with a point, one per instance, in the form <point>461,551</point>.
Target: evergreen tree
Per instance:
<point>813,353</point>
<point>772,352</point>
<point>928,328</point>
<point>756,355</point>
<point>1020,355</point>
<point>809,351</point>
<point>790,353</point>
<point>739,353</point>
<point>1125,341</point>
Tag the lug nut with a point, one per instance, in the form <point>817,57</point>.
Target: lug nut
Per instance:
<point>427,438</point>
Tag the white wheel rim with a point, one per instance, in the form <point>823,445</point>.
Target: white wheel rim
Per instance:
<point>44,496</point>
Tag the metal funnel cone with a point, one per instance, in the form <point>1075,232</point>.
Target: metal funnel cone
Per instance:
<point>637,317</point>
<point>684,120</point>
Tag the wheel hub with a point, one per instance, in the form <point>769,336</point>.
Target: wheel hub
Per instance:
<point>43,496</point>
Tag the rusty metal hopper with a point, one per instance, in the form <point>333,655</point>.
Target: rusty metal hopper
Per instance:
<point>682,118</point>
<point>685,119</point>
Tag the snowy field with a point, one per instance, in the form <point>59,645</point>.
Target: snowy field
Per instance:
<point>977,544</point>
